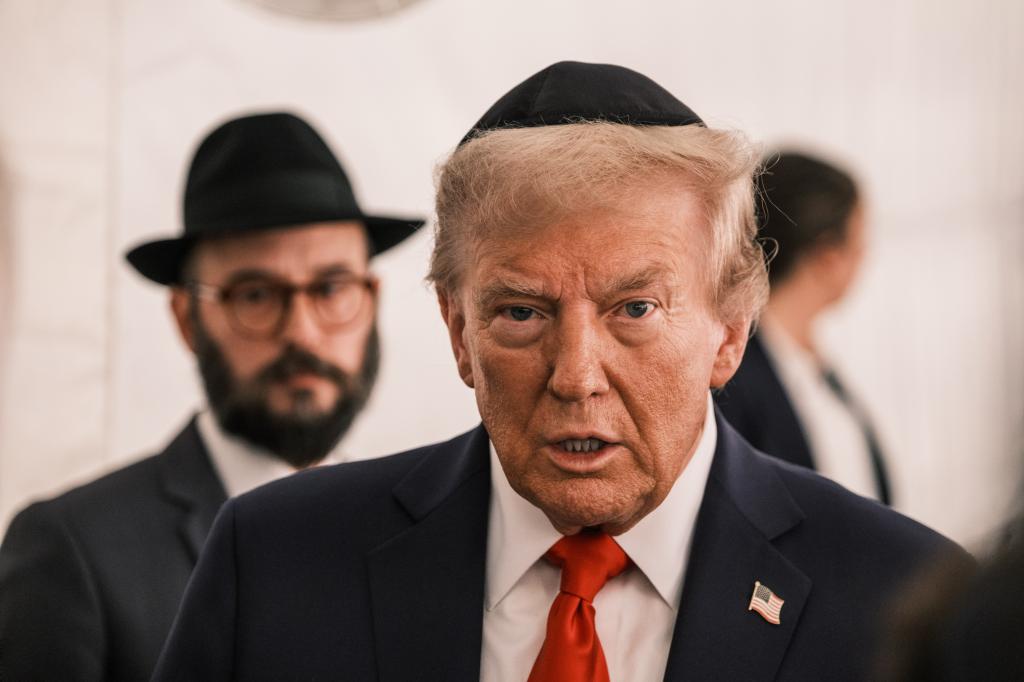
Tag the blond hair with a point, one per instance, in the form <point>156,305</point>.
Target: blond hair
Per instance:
<point>530,176</point>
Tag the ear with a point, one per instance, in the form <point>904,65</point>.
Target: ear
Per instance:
<point>455,319</point>
<point>730,351</point>
<point>181,309</point>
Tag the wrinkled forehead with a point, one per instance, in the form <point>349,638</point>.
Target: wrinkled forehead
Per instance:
<point>656,231</point>
<point>660,200</point>
<point>296,252</point>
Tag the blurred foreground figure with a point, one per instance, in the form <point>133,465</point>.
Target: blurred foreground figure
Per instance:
<point>596,265</point>
<point>785,399</point>
<point>962,623</point>
<point>271,291</point>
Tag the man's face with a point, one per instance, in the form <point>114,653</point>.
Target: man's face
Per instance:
<point>596,330</point>
<point>303,375</point>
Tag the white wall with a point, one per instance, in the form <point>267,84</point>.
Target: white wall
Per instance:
<point>103,101</point>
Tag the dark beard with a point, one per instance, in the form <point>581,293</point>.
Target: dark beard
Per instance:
<point>302,437</point>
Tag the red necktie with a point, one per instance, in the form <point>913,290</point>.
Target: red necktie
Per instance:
<point>571,651</point>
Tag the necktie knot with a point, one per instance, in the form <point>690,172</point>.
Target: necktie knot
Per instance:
<point>588,560</point>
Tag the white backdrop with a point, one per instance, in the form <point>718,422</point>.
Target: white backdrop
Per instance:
<point>103,101</point>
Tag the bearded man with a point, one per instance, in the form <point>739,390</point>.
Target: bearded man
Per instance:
<point>597,268</point>
<point>271,290</point>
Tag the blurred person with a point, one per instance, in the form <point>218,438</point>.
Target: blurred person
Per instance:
<point>786,399</point>
<point>962,621</point>
<point>270,289</point>
<point>596,265</point>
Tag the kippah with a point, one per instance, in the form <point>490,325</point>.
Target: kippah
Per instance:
<point>568,92</point>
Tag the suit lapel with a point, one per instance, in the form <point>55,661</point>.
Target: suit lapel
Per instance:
<point>190,483</point>
<point>745,507</point>
<point>427,577</point>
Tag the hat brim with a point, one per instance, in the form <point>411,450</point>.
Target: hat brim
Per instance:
<point>161,260</point>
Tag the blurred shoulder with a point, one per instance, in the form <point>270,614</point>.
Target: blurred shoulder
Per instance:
<point>142,501</point>
<point>346,486</point>
<point>112,494</point>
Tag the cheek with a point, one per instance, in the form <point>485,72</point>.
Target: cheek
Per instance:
<point>664,388</point>
<point>662,374</point>
<point>508,381</point>
<point>346,350</point>
<point>245,357</point>
<point>509,387</point>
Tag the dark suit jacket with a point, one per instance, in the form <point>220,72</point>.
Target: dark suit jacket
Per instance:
<point>375,570</point>
<point>90,581</point>
<point>756,403</point>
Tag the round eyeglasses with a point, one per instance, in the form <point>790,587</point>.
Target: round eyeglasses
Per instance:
<point>259,307</point>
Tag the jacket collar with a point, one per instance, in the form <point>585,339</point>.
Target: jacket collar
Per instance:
<point>427,577</point>
<point>746,506</point>
<point>188,480</point>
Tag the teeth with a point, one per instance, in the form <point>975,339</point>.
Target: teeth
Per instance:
<point>583,444</point>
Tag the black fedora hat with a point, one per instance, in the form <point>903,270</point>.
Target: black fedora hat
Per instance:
<point>261,172</point>
<point>568,92</point>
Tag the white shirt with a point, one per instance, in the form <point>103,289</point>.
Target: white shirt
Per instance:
<point>636,611</point>
<point>835,437</point>
<point>241,466</point>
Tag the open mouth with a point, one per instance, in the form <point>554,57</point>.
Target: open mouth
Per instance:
<point>582,444</point>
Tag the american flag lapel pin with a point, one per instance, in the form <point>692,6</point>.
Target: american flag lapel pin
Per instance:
<point>766,602</point>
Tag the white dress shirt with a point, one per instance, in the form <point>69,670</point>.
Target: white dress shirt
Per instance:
<point>636,611</point>
<point>835,437</point>
<point>239,465</point>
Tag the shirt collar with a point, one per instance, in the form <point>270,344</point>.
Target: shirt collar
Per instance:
<point>659,544</point>
<point>241,466</point>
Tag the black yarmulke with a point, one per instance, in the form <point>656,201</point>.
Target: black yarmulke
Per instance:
<point>568,92</point>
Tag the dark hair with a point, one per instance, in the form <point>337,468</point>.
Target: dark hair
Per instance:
<point>805,203</point>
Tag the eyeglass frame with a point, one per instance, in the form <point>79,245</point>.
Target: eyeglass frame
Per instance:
<point>221,295</point>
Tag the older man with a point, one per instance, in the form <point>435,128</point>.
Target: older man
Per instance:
<point>271,291</point>
<point>596,267</point>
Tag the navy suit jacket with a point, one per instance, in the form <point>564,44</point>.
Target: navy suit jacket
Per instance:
<point>756,403</point>
<point>375,570</point>
<point>90,581</point>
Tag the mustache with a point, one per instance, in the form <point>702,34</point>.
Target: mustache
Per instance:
<point>294,360</point>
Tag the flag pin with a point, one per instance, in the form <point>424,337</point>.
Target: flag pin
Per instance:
<point>766,602</point>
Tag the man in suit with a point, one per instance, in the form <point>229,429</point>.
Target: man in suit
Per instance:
<point>785,399</point>
<point>270,289</point>
<point>596,266</point>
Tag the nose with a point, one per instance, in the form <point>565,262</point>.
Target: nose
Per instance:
<point>578,371</point>
<point>301,327</point>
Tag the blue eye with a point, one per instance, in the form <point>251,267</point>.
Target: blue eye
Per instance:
<point>519,313</point>
<point>637,309</point>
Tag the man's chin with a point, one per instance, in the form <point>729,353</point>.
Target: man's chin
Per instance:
<point>587,503</point>
<point>301,404</point>
<point>300,413</point>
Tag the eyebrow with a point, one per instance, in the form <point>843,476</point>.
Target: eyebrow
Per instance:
<point>500,289</point>
<point>259,273</point>
<point>624,283</point>
<point>247,274</point>
<point>633,281</point>
<point>334,269</point>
